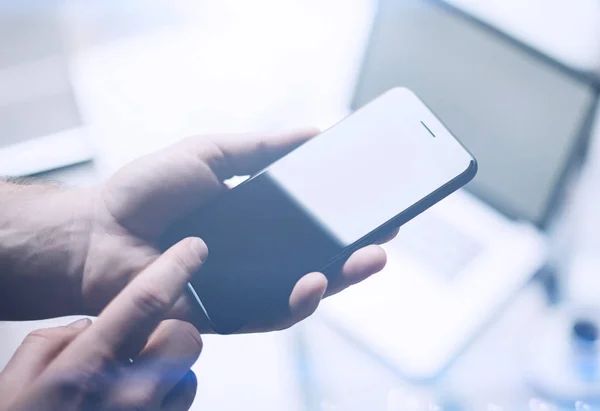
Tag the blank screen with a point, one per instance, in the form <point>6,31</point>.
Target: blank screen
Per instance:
<point>310,206</point>
<point>519,115</point>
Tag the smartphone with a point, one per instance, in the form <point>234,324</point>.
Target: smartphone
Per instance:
<point>310,210</point>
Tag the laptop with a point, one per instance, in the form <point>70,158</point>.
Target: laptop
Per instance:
<point>525,118</point>
<point>40,125</point>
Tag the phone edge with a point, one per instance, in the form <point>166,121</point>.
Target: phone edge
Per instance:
<point>395,222</point>
<point>410,213</point>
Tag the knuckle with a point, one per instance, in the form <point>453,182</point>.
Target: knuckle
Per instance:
<point>90,378</point>
<point>151,299</point>
<point>183,261</point>
<point>212,149</point>
<point>37,336</point>
<point>215,157</point>
<point>47,336</point>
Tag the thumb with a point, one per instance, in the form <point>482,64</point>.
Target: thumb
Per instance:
<point>34,354</point>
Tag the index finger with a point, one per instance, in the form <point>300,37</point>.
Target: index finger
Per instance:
<point>123,328</point>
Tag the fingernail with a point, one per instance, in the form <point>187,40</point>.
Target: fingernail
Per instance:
<point>80,324</point>
<point>198,247</point>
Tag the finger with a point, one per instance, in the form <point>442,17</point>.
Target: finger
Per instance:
<point>229,155</point>
<point>361,265</point>
<point>187,309</point>
<point>123,328</point>
<point>308,291</point>
<point>182,396</point>
<point>388,236</point>
<point>162,187</point>
<point>38,349</point>
<point>306,296</point>
<point>304,301</point>
<point>170,353</point>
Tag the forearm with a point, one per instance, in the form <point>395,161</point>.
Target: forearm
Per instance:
<point>44,235</point>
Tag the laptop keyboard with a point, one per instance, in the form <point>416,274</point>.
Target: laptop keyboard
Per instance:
<point>441,247</point>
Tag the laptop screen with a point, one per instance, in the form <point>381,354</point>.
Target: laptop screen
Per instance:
<point>36,97</point>
<point>518,114</point>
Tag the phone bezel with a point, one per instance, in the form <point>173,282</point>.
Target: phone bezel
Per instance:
<point>331,268</point>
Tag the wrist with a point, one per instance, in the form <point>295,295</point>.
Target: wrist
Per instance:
<point>44,238</point>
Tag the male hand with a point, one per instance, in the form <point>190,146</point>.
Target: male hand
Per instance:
<point>143,199</point>
<point>126,360</point>
<point>122,220</point>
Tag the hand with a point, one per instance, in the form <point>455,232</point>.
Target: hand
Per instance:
<point>76,249</point>
<point>144,198</point>
<point>87,366</point>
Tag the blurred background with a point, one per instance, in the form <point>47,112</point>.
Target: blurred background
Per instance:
<point>490,301</point>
